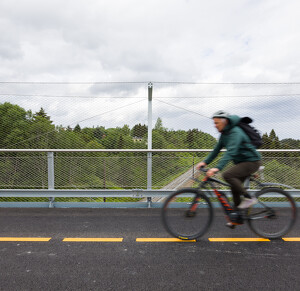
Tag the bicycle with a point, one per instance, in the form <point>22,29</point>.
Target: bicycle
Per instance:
<point>188,213</point>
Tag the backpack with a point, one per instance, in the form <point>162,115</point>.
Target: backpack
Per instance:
<point>252,132</point>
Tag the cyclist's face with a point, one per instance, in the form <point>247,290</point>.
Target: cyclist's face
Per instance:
<point>220,123</point>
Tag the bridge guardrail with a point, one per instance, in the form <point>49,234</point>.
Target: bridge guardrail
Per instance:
<point>47,177</point>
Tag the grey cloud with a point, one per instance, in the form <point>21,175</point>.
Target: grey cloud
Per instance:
<point>9,52</point>
<point>191,41</point>
<point>114,41</point>
<point>115,89</point>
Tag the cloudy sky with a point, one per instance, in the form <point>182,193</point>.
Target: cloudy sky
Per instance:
<point>80,42</point>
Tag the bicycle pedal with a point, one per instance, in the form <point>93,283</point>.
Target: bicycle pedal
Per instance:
<point>190,213</point>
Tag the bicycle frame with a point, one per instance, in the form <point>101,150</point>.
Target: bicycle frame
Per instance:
<point>220,195</point>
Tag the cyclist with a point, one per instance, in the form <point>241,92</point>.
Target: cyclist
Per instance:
<point>239,150</point>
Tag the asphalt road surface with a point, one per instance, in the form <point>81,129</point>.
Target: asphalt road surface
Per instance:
<point>110,249</point>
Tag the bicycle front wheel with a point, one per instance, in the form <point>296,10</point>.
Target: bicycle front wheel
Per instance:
<point>274,214</point>
<point>187,214</point>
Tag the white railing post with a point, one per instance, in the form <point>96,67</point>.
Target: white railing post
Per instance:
<point>149,154</point>
<point>50,156</point>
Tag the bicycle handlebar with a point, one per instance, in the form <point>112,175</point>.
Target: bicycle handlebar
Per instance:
<point>203,169</point>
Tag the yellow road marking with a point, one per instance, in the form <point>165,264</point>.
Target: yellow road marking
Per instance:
<point>93,239</point>
<point>25,238</point>
<point>161,239</point>
<point>96,239</point>
<point>236,239</point>
<point>291,238</point>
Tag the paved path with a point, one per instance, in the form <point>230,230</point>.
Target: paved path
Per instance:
<point>182,181</point>
<point>58,263</point>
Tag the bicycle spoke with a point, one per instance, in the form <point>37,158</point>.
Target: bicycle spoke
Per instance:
<point>186,214</point>
<point>274,215</point>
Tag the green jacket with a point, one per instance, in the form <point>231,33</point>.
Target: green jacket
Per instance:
<point>237,143</point>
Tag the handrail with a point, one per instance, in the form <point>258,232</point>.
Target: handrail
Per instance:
<point>139,150</point>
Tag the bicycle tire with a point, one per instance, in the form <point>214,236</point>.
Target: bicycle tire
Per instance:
<point>176,214</point>
<point>274,215</point>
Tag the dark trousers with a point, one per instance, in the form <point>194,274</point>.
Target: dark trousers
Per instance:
<point>236,175</point>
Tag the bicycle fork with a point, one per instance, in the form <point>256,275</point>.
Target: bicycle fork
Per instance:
<point>192,210</point>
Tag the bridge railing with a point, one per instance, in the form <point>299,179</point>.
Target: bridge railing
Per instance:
<point>114,178</point>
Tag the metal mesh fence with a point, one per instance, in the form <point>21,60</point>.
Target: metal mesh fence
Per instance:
<point>94,172</point>
<point>116,116</point>
<point>115,171</point>
<point>23,172</point>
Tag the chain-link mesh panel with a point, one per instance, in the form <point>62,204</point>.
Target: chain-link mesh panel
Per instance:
<point>115,116</point>
<point>282,168</point>
<point>93,171</point>
<point>19,171</point>
<point>174,170</point>
<point>189,107</point>
<point>73,115</point>
<point>23,172</point>
<point>109,171</point>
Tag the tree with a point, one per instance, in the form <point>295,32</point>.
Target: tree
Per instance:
<point>158,141</point>
<point>125,129</point>
<point>69,140</point>
<point>275,144</point>
<point>42,131</point>
<point>190,138</point>
<point>266,141</point>
<point>99,132</point>
<point>121,143</point>
<point>111,138</point>
<point>42,114</point>
<point>14,123</point>
<point>139,130</point>
<point>290,143</point>
<point>271,141</point>
<point>158,124</point>
<point>77,128</point>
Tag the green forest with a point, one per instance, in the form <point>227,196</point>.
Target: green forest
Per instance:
<point>21,129</point>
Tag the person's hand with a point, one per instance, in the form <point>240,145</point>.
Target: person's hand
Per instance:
<point>212,172</point>
<point>201,165</point>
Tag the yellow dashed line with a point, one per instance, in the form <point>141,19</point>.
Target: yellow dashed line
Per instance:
<point>291,238</point>
<point>237,239</point>
<point>93,239</point>
<point>25,238</point>
<point>144,239</point>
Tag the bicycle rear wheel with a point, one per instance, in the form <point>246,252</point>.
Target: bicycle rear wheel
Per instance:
<point>274,215</point>
<point>187,214</point>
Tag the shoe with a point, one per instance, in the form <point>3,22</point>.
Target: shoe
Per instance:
<point>232,225</point>
<point>247,202</point>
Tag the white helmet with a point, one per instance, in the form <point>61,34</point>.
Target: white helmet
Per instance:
<point>221,114</point>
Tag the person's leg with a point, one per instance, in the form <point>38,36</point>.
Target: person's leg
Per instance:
<point>236,176</point>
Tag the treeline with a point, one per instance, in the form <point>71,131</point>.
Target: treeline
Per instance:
<point>271,141</point>
<point>23,129</point>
